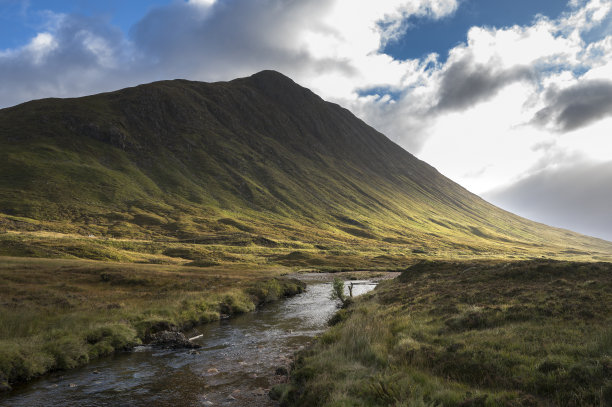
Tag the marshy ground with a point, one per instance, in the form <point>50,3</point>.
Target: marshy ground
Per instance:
<point>58,314</point>
<point>532,333</point>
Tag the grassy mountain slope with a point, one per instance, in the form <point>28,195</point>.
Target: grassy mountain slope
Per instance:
<point>258,162</point>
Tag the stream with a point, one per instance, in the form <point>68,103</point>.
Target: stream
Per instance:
<point>236,365</point>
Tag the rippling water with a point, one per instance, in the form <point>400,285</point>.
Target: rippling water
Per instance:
<point>235,366</point>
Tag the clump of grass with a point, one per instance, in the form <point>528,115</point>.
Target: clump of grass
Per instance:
<point>337,292</point>
<point>275,289</point>
<point>480,334</point>
<point>108,338</point>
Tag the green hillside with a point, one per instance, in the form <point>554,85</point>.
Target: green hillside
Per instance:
<point>257,166</point>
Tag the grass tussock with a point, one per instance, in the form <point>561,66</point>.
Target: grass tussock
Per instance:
<point>59,314</point>
<point>532,333</point>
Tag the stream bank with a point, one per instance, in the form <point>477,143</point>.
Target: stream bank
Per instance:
<point>237,363</point>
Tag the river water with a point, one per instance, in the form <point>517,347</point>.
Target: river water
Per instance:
<point>236,365</point>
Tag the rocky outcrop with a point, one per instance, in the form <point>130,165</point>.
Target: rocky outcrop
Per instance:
<point>171,340</point>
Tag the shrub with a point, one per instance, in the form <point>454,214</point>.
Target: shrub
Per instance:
<point>338,290</point>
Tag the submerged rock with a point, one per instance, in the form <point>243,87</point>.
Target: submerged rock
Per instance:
<point>171,340</point>
<point>4,386</point>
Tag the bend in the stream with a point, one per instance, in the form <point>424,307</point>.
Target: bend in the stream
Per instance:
<point>236,365</point>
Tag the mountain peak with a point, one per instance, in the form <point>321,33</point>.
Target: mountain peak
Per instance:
<point>279,87</point>
<point>270,75</point>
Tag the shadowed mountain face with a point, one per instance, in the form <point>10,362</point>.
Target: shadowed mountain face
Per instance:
<point>260,157</point>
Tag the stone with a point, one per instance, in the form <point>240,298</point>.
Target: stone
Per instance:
<point>171,340</point>
<point>4,386</point>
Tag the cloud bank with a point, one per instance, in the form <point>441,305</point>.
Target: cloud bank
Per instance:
<point>576,106</point>
<point>464,83</point>
<point>557,196</point>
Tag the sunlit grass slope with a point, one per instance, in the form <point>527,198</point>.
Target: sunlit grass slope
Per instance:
<point>257,162</point>
<point>532,333</point>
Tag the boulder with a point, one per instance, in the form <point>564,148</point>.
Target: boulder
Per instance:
<point>171,340</point>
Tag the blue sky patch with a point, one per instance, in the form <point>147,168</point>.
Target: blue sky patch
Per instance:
<point>20,21</point>
<point>380,91</point>
<point>424,35</point>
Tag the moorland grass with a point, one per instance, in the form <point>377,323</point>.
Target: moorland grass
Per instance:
<point>59,314</point>
<point>534,333</point>
<point>253,249</point>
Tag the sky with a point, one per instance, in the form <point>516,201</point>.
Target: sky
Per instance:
<point>510,98</point>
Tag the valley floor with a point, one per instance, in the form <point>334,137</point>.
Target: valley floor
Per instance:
<point>532,333</point>
<point>464,333</point>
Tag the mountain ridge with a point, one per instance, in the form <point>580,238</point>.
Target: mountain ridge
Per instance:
<point>256,156</point>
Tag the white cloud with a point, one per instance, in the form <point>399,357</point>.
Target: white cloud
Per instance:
<point>40,47</point>
<point>392,23</point>
<point>486,144</point>
<point>206,3</point>
<point>72,56</point>
<point>500,79</point>
<point>586,16</point>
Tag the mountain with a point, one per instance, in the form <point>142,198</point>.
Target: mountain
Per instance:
<point>257,161</point>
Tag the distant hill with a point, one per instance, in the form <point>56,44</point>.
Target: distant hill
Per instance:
<point>258,158</point>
